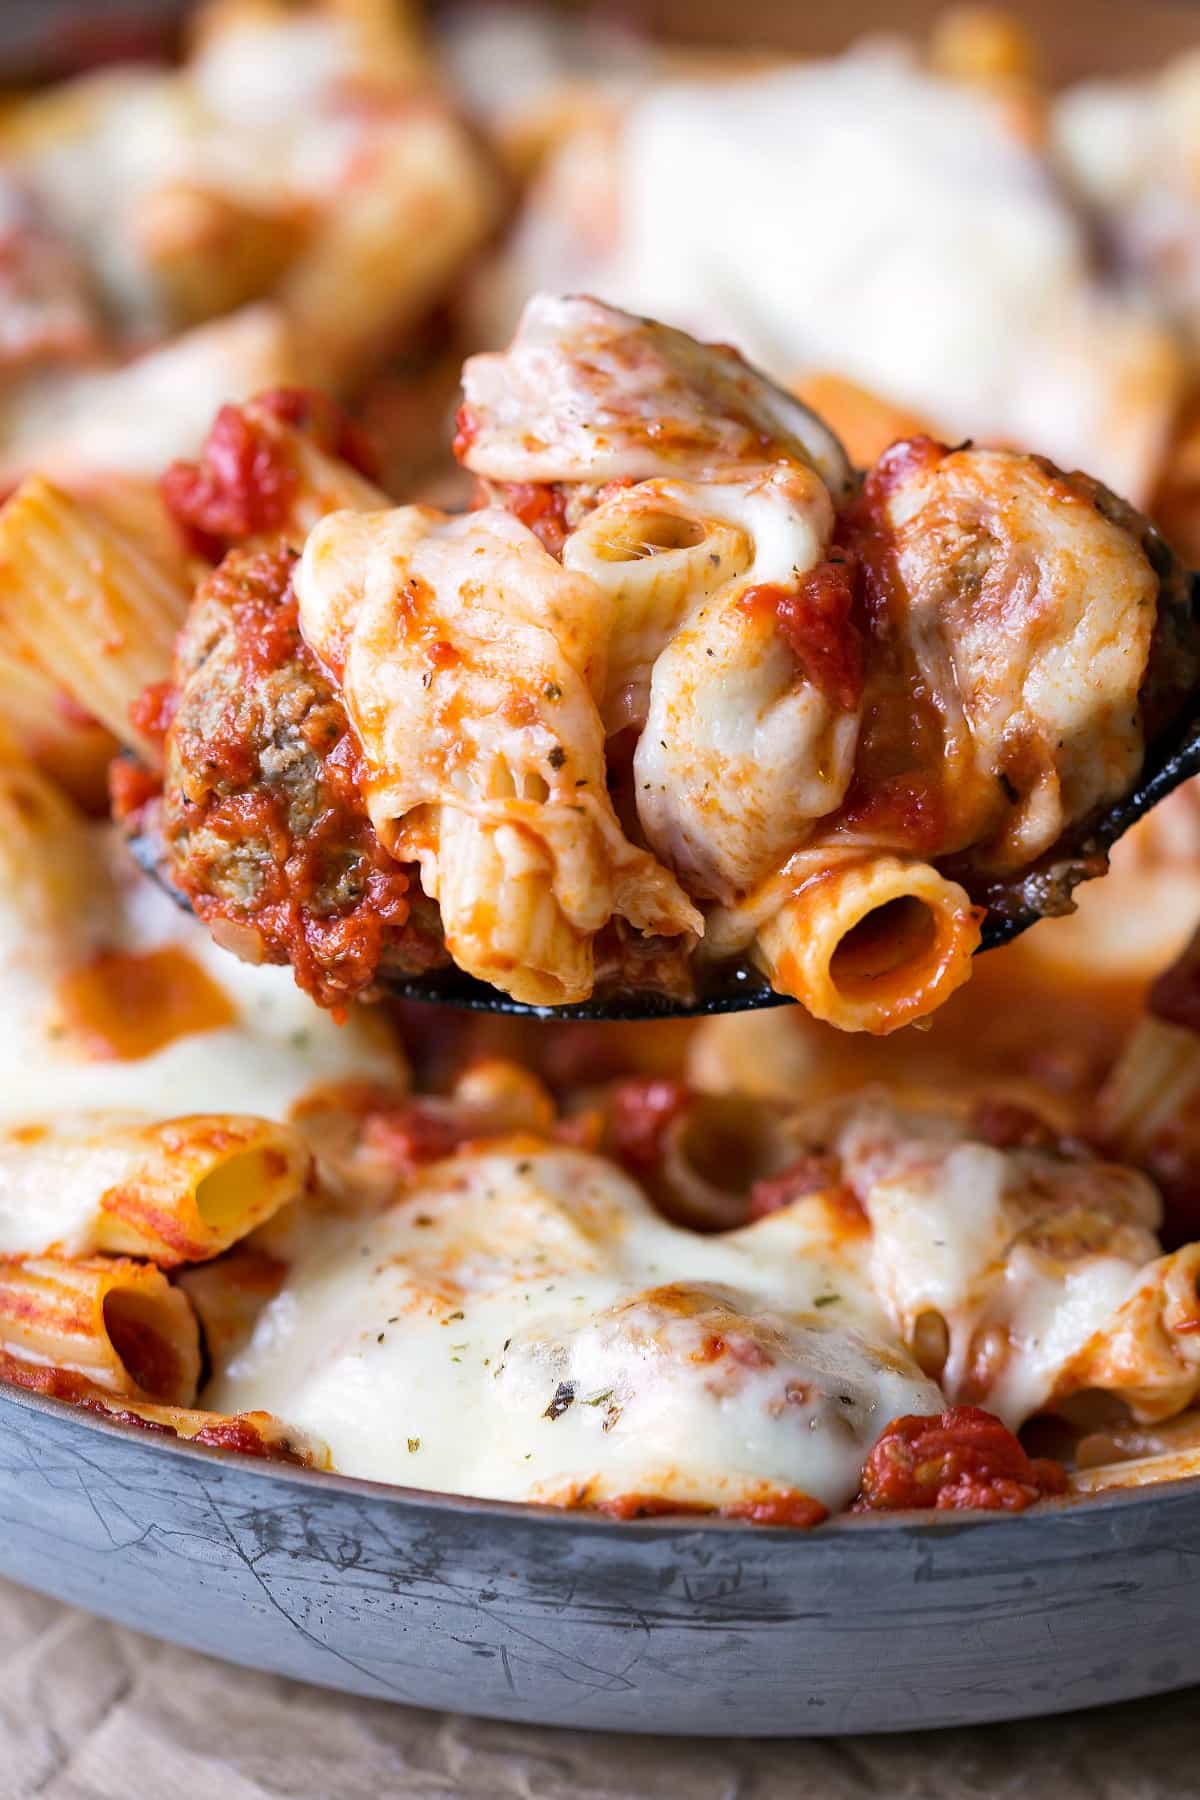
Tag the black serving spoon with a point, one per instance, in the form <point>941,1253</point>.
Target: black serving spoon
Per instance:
<point>738,987</point>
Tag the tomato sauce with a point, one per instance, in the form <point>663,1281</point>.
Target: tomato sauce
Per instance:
<point>774,1506</point>
<point>1005,1125</point>
<point>542,506</point>
<point>409,1136</point>
<point>241,487</point>
<point>466,430</point>
<point>243,484</point>
<point>131,787</point>
<point>965,1458</point>
<point>640,1114</point>
<point>908,811</point>
<point>246,1433</point>
<point>319,417</point>
<point>896,797</point>
<point>814,620</point>
<point>151,713</point>
<point>807,1175</point>
<point>780,1506</point>
<point>122,1006</point>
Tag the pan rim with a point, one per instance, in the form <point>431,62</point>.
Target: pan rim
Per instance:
<point>844,1527</point>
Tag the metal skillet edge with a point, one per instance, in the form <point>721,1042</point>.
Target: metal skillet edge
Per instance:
<point>393,1492</point>
<point>672,1626</point>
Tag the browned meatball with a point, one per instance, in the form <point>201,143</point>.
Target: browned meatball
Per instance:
<point>262,823</point>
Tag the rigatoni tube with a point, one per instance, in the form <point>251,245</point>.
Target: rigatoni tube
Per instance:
<point>178,1191</point>
<point>118,1324</point>
<point>88,603</point>
<point>871,945</point>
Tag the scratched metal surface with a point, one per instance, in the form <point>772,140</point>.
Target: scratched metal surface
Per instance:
<point>697,1628</point>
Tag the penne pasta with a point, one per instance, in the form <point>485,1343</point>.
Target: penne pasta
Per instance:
<point>871,945</point>
<point>85,600</point>
<point>120,1324</point>
<point>180,1191</point>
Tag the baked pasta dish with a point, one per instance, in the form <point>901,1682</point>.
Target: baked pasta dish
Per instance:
<point>636,1293</point>
<point>681,687</point>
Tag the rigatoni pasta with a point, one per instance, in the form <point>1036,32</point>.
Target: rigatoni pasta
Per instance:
<point>870,944</point>
<point>86,602</point>
<point>1157,1077</point>
<point>64,740</point>
<point>118,1324</point>
<point>45,867</point>
<point>179,1190</point>
<point>504,804</point>
<point>425,187</point>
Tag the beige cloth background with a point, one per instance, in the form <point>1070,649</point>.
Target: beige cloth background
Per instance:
<point>89,1711</point>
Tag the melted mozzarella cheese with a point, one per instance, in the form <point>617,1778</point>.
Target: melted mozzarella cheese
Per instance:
<point>588,393</point>
<point>738,756</point>
<point>863,217</point>
<point>1051,1313</point>
<point>48,1198</point>
<point>522,1325</point>
<point>1024,1254</point>
<point>1132,148</point>
<point>279,1046</point>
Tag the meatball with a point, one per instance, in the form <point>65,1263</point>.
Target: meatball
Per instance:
<point>262,824</point>
<point>1030,633</point>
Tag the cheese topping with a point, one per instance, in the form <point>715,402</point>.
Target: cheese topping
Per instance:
<point>859,216</point>
<point>1023,1254</point>
<point>277,1047</point>
<point>522,1325</point>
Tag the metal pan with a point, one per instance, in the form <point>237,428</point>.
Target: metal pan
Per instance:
<point>698,1627</point>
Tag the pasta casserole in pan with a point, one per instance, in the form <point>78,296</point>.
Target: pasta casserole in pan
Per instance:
<point>680,687</point>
